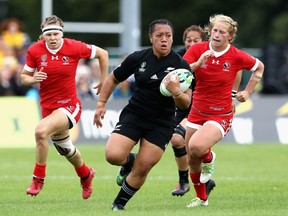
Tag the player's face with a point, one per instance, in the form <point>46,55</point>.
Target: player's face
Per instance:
<point>53,39</point>
<point>219,36</point>
<point>192,37</point>
<point>162,39</point>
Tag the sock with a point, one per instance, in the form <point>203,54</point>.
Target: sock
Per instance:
<point>39,171</point>
<point>129,164</point>
<point>199,187</point>
<point>207,157</point>
<point>183,176</point>
<point>83,171</point>
<point>125,194</point>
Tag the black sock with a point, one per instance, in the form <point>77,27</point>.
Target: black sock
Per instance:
<point>184,176</point>
<point>125,194</point>
<point>129,164</point>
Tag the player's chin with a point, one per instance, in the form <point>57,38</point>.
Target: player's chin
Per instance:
<point>164,51</point>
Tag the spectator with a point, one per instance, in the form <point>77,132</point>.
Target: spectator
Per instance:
<point>122,90</point>
<point>13,35</point>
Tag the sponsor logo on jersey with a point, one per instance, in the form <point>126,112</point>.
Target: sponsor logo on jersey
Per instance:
<point>154,77</point>
<point>54,58</point>
<point>215,61</point>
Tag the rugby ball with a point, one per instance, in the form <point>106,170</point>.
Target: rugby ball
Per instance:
<point>185,79</point>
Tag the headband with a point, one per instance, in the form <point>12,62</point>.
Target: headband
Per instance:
<point>52,28</point>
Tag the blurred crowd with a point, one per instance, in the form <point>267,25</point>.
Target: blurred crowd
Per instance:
<point>14,43</point>
<point>88,76</point>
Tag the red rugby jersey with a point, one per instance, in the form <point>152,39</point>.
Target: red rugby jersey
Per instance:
<point>214,79</point>
<point>59,89</point>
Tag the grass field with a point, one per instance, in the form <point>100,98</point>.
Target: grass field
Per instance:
<point>251,180</point>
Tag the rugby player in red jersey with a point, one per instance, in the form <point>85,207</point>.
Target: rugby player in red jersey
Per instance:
<point>215,64</point>
<point>51,62</point>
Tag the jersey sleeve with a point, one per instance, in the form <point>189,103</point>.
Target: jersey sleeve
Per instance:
<point>250,63</point>
<point>125,69</point>
<point>189,56</point>
<point>30,64</point>
<point>87,51</point>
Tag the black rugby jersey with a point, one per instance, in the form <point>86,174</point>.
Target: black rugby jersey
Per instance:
<point>149,71</point>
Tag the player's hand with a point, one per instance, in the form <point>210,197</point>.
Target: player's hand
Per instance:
<point>205,56</point>
<point>242,96</point>
<point>98,87</point>
<point>39,76</point>
<point>99,114</point>
<point>172,84</point>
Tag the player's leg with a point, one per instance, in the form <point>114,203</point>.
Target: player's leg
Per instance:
<point>180,153</point>
<point>63,143</point>
<point>198,144</point>
<point>152,145</point>
<point>118,152</point>
<point>148,155</point>
<point>65,148</point>
<point>56,121</point>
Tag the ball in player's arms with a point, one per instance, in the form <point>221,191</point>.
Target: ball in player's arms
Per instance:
<point>185,79</point>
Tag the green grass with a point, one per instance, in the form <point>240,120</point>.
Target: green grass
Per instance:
<point>251,180</point>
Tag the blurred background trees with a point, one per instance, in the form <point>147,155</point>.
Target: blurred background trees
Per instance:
<point>260,21</point>
<point>262,25</point>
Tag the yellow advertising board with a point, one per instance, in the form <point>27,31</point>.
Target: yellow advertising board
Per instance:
<point>18,119</point>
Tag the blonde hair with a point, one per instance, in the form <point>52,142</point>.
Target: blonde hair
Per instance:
<point>52,20</point>
<point>228,21</point>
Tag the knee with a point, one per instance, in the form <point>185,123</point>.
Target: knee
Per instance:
<point>113,158</point>
<point>195,151</point>
<point>177,141</point>
<point>40,132</point>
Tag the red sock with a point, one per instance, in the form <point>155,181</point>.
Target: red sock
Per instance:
<point>199,187</point>
<point>82,171</point>
<point>40,170</point>
<point>207,157</point>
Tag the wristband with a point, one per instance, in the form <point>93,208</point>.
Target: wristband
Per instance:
<point>233,94</point>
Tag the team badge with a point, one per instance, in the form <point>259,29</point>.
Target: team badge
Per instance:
<point>142,67</point>
<point>43,60</point>
<point>65,59</point>
<point>226,66</point>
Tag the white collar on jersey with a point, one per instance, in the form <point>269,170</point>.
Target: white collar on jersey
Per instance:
<point>217,54</point>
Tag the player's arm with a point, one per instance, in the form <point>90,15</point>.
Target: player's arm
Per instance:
<point>103,58</point>
<point>30,78</point>
<point>182,99</point>
<point>108,87</point>
<point>255,78</point>
<point>201,61</point>
<point>236,84</point>
<point>235,88</point>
